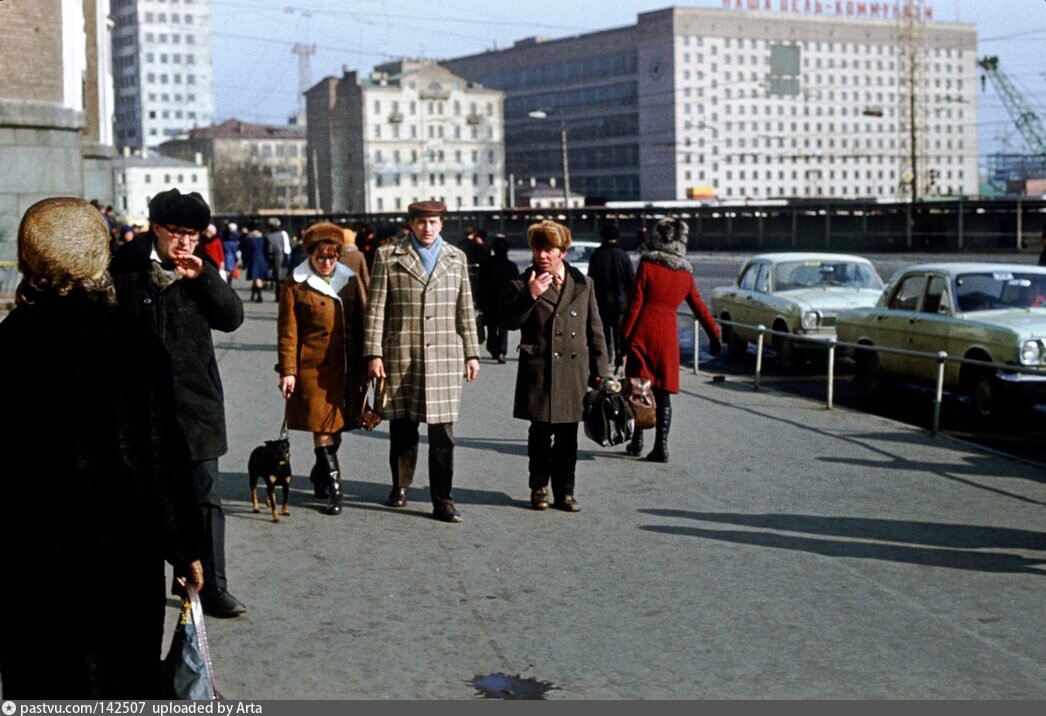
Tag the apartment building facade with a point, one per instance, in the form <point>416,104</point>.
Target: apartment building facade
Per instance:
<point>162,69</point>
<point>739,105</point>
<point>408,131</point>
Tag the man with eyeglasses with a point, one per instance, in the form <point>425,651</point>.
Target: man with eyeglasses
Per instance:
<point>174,290</point>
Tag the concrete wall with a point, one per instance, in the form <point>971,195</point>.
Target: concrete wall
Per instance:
<point>40,146</point>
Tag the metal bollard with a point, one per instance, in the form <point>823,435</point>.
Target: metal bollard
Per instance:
<point>759,356</point>
<point>939,393</point>
<point>831,372</point>
<point>697,341</point>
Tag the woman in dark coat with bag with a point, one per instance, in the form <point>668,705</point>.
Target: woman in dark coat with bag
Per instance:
<point>562,352</point>
<point>663,280</point>
<point>96,475</point>
<point>320,343</point>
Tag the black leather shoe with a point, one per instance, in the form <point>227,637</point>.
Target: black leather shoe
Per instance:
<point>446,513</point>
<point>568,504</point>
<point>222,605</point>
<point>539,498</point>
<point>397,498</point>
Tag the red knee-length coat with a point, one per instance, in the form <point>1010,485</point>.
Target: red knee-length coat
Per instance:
<point>649,326</point>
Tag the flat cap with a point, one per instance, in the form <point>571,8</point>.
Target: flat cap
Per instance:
<point>426,208</point>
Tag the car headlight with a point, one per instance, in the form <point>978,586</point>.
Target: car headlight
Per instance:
<point>810,320</point>
<point>1032,352</point>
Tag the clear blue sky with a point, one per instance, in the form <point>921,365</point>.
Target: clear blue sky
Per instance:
<point>256,74</point>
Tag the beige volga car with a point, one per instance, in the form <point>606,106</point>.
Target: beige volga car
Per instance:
<point>980,311</point>
<point>798,293</point>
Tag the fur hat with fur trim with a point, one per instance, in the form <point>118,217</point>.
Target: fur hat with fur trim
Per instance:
<point>548,234</point>
<point>62,238</point>
<point>322,231</point>
<point>670,236</point>
<point>173,208</point>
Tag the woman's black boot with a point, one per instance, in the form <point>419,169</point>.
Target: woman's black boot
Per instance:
<point>635,445</point>
<point>318,477</point>
<point>330,453</point>
<point>664,422</point>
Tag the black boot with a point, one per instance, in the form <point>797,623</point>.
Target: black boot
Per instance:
<point>319,477</point>
<point>664,421</point>
<point>330,453</point>
<point>635,445</point>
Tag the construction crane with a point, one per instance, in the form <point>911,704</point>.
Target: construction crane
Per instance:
<point>1028,123</point>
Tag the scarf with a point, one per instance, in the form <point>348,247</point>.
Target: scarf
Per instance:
<point>427,254</point>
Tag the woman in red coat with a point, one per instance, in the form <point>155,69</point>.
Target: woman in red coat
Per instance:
<point>664,280</point>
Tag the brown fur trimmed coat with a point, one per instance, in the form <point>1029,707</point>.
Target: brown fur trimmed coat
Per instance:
<point>320,340</point>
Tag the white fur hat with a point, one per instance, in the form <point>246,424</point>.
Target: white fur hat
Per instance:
<point>670,236</point>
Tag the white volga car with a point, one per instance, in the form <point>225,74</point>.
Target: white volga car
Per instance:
<point>799,293</point>
<point>980,311</point>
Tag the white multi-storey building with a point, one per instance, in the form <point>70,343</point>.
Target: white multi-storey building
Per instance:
<point>694,102</point>
<point>410,131</point>
<point>161,69</point>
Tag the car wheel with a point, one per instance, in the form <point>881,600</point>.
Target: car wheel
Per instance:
<point>984,394</point>
<point>867,373</point>
<point>785,350</point>
<point>736,347</point>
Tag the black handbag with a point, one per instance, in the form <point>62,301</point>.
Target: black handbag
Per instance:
<point>608,417</point>
<point>189,673</point>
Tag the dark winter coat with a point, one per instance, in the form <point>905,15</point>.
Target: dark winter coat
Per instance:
<point>495,281</point>
<point>649,326</point>
<point>611,270</point>
<point>255,259</point>
<point>320,343</point>
<point>183,315</point>
<point>97,486</point>
<point>561,347</point>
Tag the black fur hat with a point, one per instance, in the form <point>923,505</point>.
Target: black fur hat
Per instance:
<point>670,236</point>
<point>176,209</point>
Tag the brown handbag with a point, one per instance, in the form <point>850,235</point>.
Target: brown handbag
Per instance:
<point>370,416</point>
<point>641,399</point>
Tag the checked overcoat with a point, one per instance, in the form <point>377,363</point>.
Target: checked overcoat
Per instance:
<point>424,328</point>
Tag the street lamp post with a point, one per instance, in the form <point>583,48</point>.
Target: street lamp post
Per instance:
<point>542,114</point>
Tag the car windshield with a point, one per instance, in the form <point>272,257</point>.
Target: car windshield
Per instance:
<point>790,275</point>
<point>579,254</point>
<point>1000,289</point>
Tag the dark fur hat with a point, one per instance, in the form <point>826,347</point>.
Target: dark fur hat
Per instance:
<point>670,236</point>
<point>186,210</point>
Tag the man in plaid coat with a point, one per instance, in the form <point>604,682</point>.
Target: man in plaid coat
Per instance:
<point>420,336</point>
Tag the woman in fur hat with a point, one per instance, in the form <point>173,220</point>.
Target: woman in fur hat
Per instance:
<point>664,280</point>
<point>320,343</point>
<point>96,475</point>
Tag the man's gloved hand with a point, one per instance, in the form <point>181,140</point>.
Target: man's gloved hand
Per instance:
<point>715,346</point>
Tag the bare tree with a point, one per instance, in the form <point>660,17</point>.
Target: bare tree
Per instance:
<point>243,188</point>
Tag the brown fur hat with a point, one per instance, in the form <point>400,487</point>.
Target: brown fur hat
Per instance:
<point>548,234</point>
<point>670,236</point>
<point>62,238</point>
<point>322,231</point>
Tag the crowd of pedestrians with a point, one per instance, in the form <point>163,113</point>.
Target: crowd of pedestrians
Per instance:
<point>113,327</point>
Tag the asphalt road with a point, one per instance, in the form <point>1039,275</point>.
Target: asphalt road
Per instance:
<point>786,551</point>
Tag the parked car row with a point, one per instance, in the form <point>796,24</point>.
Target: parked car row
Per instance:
<point>983,312</point>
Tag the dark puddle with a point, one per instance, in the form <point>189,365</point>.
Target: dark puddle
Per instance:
<point>510,688</point>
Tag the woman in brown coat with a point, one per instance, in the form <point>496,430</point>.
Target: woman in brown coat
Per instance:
<point>320,327</point>
<point>561,353</point>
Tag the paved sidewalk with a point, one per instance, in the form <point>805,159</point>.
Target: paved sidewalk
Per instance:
<point>786,551</point>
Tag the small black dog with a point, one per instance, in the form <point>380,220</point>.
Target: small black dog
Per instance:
<point>271,462</point>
